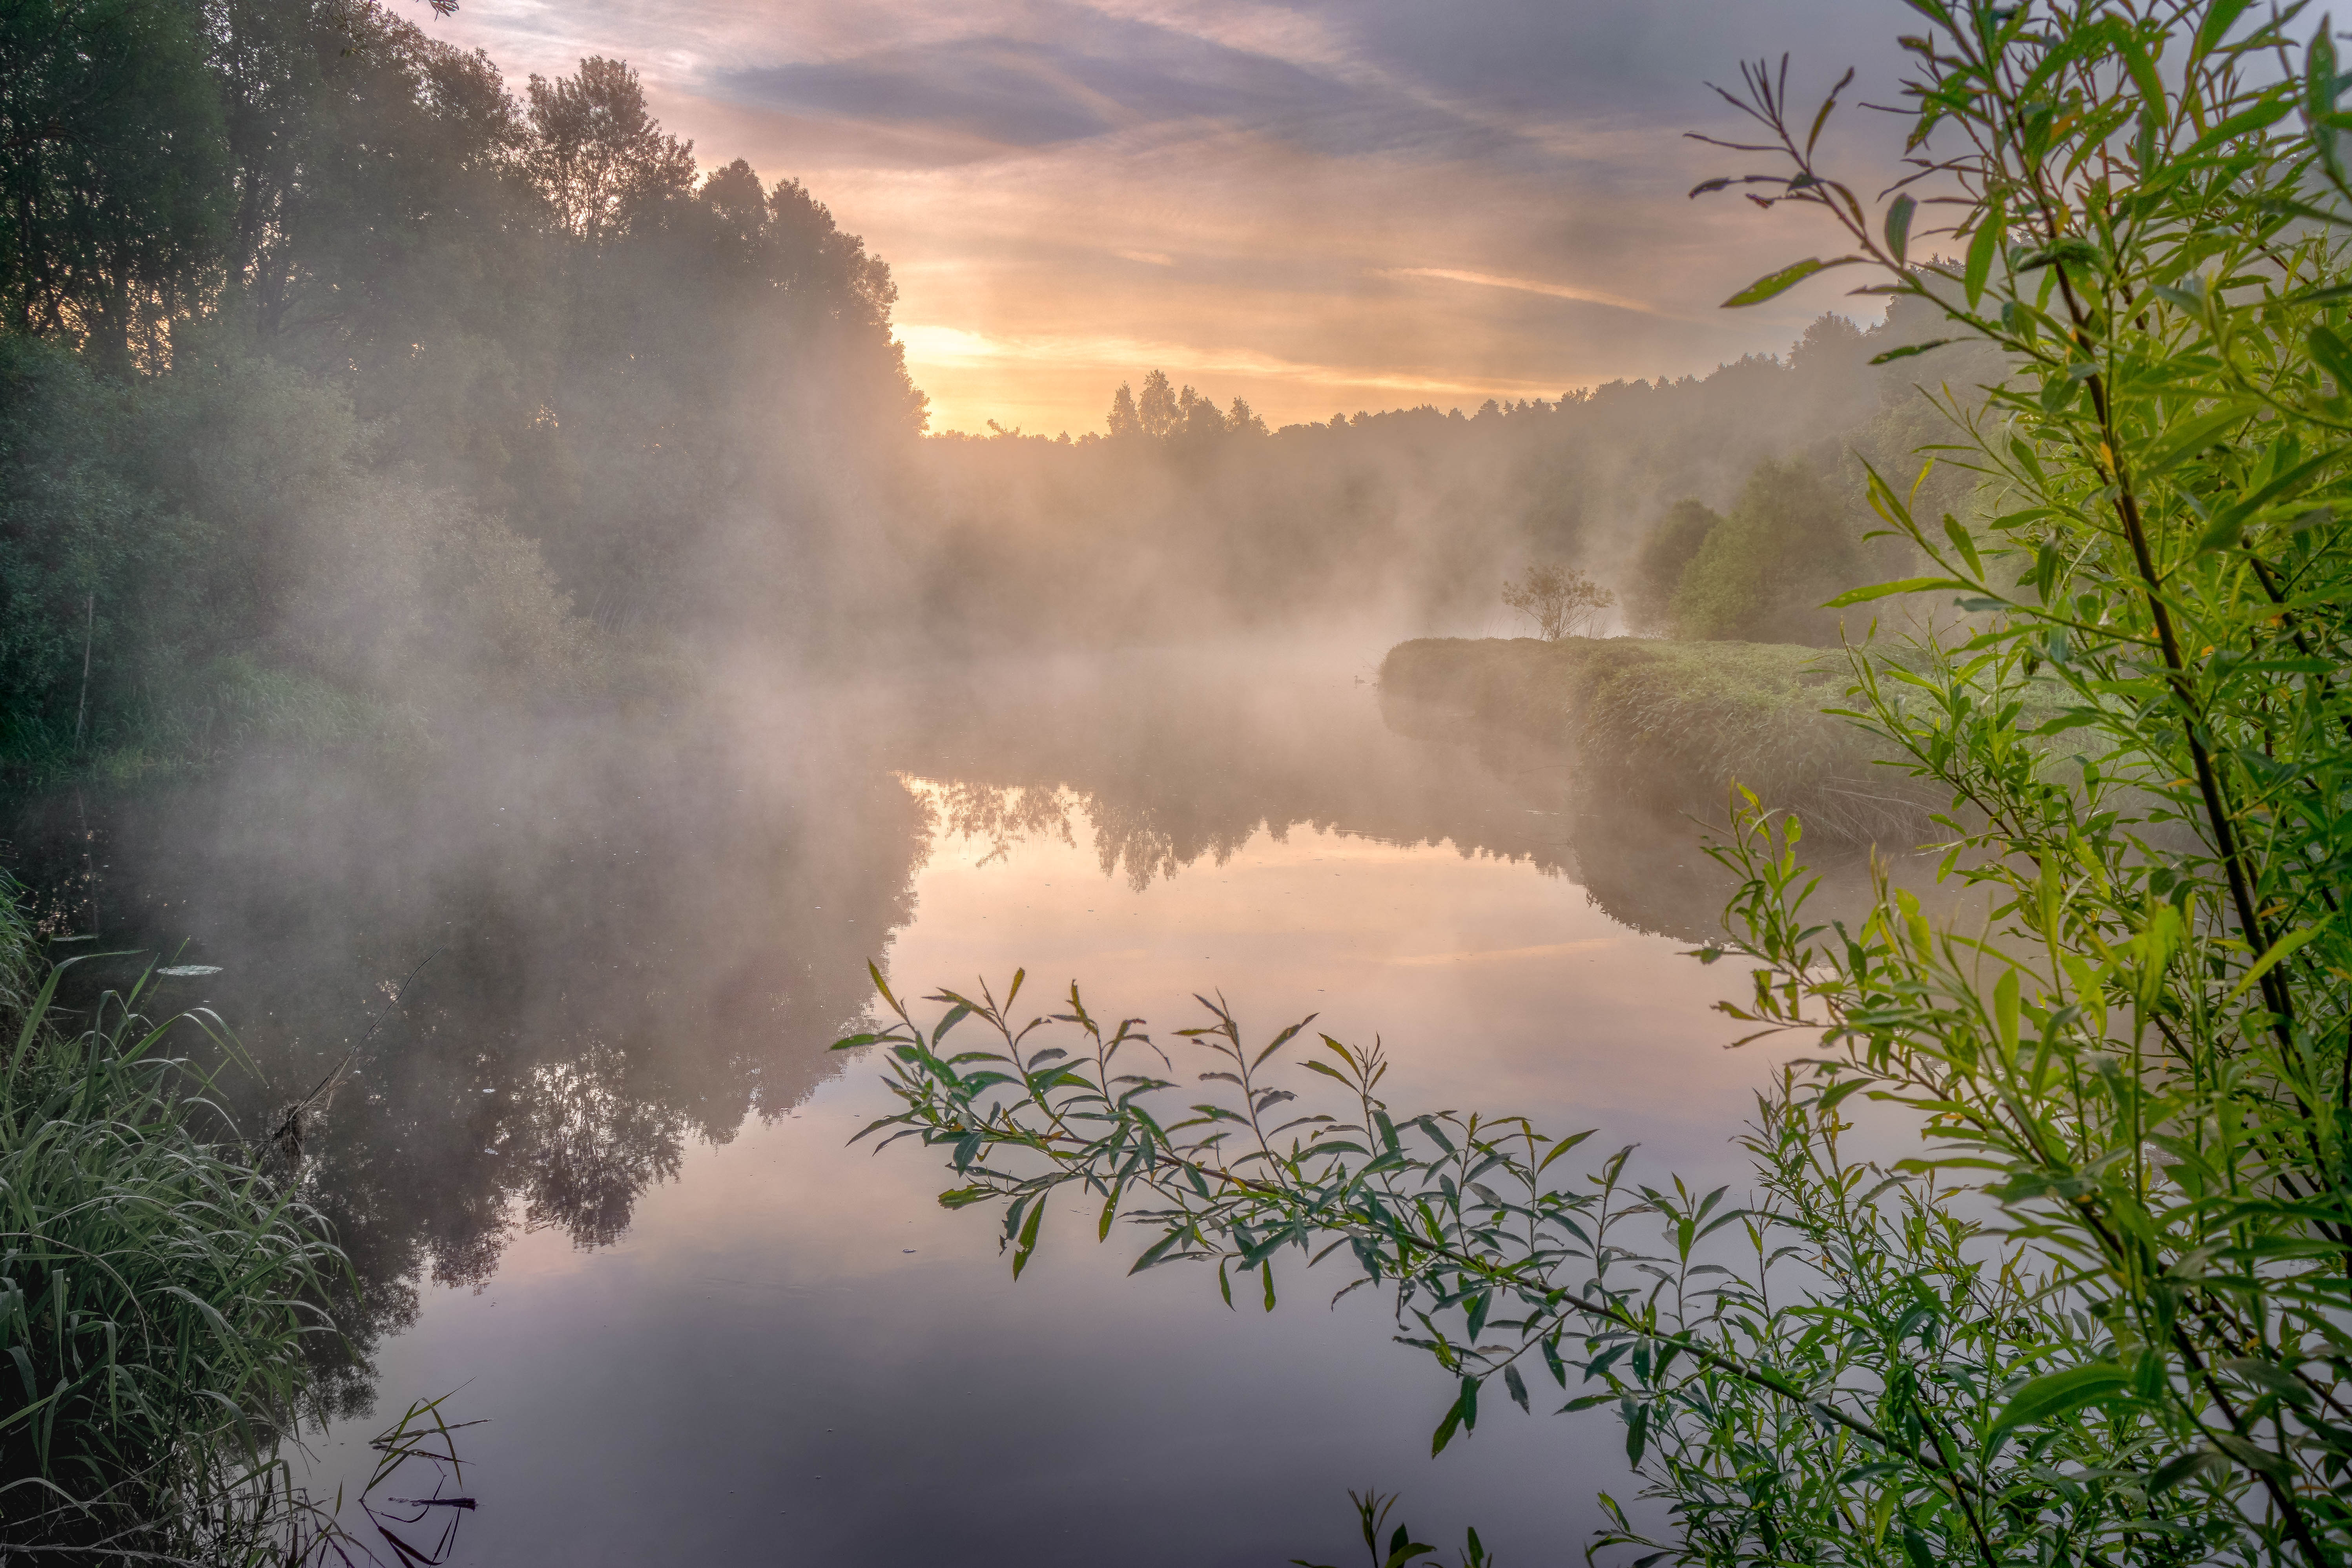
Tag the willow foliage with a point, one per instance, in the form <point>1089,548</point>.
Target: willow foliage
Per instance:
<point>2106,1315</point>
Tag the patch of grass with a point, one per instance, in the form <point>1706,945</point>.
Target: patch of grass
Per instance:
<point>1677,723</point>
<point>153,1288</point>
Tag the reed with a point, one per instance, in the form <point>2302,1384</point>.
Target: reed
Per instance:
<point>155,1284</point>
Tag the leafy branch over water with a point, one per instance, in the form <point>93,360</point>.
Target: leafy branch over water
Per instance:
<point>2106,1315</point>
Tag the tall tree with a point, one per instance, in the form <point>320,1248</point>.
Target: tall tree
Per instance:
<point>111,153</point>
<point>1123,420</point>
<point>601,157</point>
<point>1156,409</point>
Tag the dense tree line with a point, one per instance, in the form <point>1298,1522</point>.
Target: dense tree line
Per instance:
<point>1181,514</point>
<point>333,373</point>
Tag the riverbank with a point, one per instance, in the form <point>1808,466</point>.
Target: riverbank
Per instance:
<point>1677,723</point>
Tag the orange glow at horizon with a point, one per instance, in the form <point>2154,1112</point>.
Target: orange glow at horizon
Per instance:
<point>1319,207</point>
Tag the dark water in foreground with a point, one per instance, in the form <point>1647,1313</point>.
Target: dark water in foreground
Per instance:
<point>591,1167</point>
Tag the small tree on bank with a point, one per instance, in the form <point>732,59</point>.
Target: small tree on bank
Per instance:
<point>1562,601</point>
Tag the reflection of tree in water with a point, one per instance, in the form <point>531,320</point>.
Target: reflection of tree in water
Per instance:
<point>1002,814</point>
<point>1172,767</point>
<point>638,943</point>
<point>588,1147</point>
<point>642,948</point>
<point>1174,762</point>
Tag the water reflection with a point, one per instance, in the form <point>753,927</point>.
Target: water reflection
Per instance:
<point>636,942</point>
<point>621,955</point>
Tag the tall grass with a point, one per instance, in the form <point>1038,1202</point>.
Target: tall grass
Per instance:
<point>154,1288</point>
<point>1677,723</point>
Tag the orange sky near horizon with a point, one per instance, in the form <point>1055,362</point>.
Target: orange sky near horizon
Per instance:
<point>1320,207</point>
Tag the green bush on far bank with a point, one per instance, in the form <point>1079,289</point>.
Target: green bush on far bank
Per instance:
<point>1676,722</point>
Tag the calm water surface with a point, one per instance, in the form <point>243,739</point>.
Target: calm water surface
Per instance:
<point>592,1166</point>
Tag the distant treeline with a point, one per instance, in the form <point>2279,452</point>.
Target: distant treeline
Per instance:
<point>336,376</point>
<point>345,393</point>
<point>1182,514</point>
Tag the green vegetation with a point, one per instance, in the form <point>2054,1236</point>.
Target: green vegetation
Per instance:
<point>153,1281</point>
<point>1194,519</point>
<point>345,397</point>
<point>1759,575</point>
<point>1666,553</point>
<point>2104,1314</point>
<point>1677,723</point>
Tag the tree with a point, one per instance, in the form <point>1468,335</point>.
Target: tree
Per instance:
<point>1762,574</point>
<point>601,159</point>
<point>1561,600</point>
<point>1666,551</point>
<point>111,162</point>
<point>1123,419</point>
<point>1197,417</point>
<point>2104,1315</point>
<point>1156,410</point>
<point>1241,419</point>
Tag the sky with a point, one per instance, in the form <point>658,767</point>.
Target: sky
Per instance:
<point>1322,206</point>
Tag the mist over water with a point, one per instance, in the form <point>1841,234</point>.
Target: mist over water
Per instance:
<point>591,1168</point>
<point>487,616</point>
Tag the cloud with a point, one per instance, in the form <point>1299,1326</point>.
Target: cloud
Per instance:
<point>1524,285</point>
<point>1384,201</point>
<point>1090,74</point>
<point>944,346</point>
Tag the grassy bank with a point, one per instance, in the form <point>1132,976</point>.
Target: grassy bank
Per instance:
<point>152,1278</point>
<point>1676,723</point>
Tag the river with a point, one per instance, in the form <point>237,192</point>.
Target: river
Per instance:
<point>592,1163</point>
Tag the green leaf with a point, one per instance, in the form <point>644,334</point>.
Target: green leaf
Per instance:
<point>1908,350</point>
<point>2216,25</point>
<point>1962,543</point>
<point>2057,1393</point>
<point>1882,590</point>
<point>2179,1468</point>
<point>1781,282</point>
<point>1563,1146</point>
<point>2334,358</point>
<point>1637,1432</point>
<point>1982,251</point>
<point>1516,1386</point>
<point>1028,1243</point>
<point>1447,1428</point>
<point>1898,229</point>
<point>2143,72</point>
<point>2247,1455</point>
<point>2283,948</point>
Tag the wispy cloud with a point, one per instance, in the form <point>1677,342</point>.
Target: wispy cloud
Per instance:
<point>1526,286</point>
<point>1256,194</point>
<point>930,343</point>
